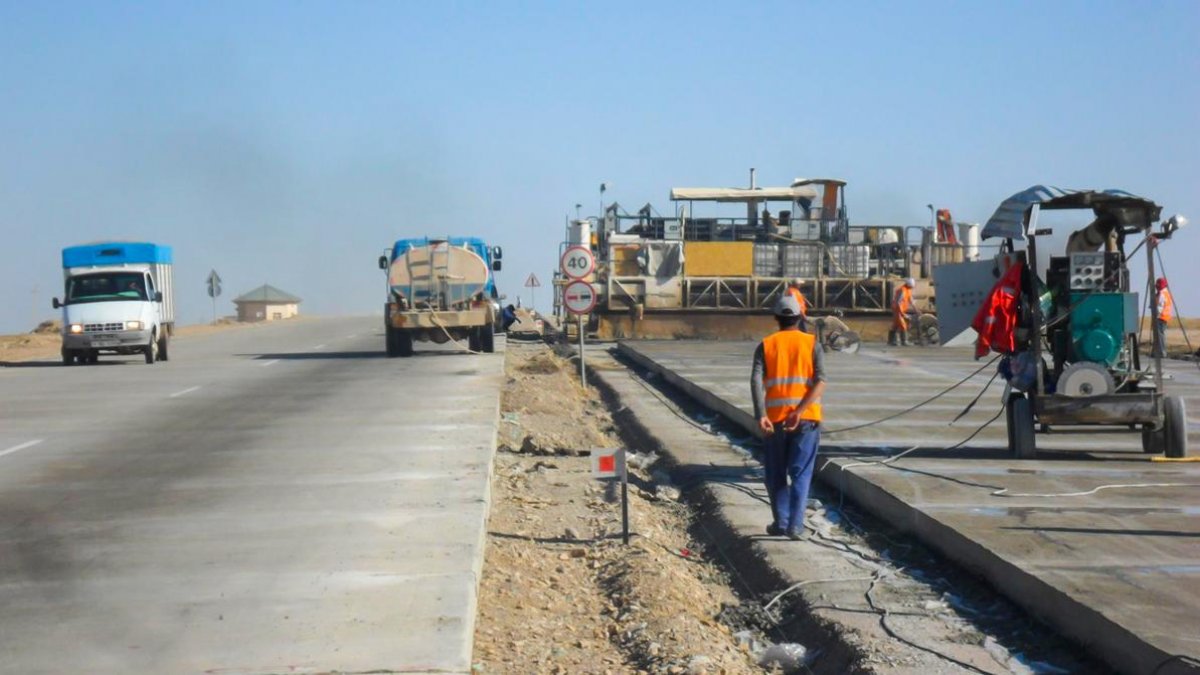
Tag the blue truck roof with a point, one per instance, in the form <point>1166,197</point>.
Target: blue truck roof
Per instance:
<point>115,253</point>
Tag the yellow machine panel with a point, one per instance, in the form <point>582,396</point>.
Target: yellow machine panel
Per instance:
<point>718,258</point>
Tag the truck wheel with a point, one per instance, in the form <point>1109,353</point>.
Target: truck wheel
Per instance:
<point>389,341</point>
<point>487,339</point>
<point>68,357</point>
<point>404,343</point>
<point>1175,441</point>
<point>1021,440</point>
<point>90,357</point>
<point>162,348</point>
<point>151,350</point>
<point>475,339</point>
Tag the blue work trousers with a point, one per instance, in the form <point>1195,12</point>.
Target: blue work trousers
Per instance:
<point>788,461</point>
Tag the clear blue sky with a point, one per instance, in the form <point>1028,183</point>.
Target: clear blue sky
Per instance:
<point>291,142</point>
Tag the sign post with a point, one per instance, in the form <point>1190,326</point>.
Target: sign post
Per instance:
<point>532,284</point>
<point>579,297</point>
<point>214,290</point>
<point>610,463</point>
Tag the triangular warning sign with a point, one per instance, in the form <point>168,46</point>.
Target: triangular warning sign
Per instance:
<point>532,281</point>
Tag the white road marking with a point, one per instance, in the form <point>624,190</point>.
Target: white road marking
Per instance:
<point>185,391</point>
<point>18,448</point>
<point>271,362</point>
<point>351,337</point>
<point>319,347</point>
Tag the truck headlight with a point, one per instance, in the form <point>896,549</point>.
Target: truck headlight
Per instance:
<point>76,328</point>
<point>133,325</point>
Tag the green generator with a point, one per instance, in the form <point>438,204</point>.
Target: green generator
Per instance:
<point>1100,325</point>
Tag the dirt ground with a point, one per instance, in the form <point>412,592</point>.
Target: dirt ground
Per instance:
<point>44,341</point>
<point>560,592</point>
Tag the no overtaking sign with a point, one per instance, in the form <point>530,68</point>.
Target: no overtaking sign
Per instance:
<point>579,297</point>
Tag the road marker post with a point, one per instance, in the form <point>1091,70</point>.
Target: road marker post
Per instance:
<point>610,463</point>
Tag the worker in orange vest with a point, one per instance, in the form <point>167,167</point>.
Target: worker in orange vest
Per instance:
<point>1166,312</point>
<point>787,380</point>
<point>902,306</point>
<point>793,290</point>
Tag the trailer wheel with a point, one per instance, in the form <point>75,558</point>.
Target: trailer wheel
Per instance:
<point>1175,442</point>
<point>1021,440</point>
<point>404,343</point>
<point>1152,440</point>
<point>162,347</point>
<point>487,339</point>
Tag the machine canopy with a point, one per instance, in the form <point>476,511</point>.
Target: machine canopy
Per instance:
<point>1132,212</point>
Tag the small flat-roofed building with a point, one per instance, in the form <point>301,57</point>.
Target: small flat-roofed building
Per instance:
<point>266,303</point>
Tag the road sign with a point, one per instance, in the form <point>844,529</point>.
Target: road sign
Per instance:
<point>579,297</point>
<point>532,281</point>
<point>577,262</point>
<point>214,284</point>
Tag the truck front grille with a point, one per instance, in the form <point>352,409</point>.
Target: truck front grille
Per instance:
<point>102,327</point>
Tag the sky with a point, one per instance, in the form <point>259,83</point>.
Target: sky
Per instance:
<point>291,142</point>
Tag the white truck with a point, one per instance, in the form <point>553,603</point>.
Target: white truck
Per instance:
<point>119,299</point>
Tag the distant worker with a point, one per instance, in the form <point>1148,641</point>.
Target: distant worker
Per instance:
<point>902,307</point>
<point>508,316</point>
<point>1166,312</point>
<point>787,380</point>
<point>793,290</point>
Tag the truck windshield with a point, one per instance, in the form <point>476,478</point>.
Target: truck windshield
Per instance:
<point>106,287</point>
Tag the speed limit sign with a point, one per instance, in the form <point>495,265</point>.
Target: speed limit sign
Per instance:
<point>577,262</point>
<point>579,297</point>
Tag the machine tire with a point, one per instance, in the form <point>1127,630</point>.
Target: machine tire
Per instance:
<point>162,347</point>
<point>150,351</point>
<point>1152,440</point>
<point>487,339</point>
<point>1175,442</point>
<point>1021,439</point>
<point>68,357</point>
<point>475,339</point>
<point>90,358</point>
<point>404,343</point>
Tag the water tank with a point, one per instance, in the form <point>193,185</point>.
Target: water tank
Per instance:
<point>968,235</point>
<point>580,233</point>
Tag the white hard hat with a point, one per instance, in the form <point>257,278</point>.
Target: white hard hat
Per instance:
<point>910,282</point>
<point>797,281</point>
<point>787,306</point>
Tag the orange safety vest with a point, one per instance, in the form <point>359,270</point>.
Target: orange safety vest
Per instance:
<point>795,293</point>
<point>788,375</point>
<point>1166,306</point>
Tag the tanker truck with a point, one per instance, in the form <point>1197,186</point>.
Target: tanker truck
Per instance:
<point>440,290</point>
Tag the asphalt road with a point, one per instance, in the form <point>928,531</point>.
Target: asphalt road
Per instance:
<point>273,499</point>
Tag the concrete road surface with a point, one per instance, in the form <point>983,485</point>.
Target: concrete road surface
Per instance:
<point>1116,568</point>
<point>273,499</point>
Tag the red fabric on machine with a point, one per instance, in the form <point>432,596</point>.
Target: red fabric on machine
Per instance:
<point>996,320</point>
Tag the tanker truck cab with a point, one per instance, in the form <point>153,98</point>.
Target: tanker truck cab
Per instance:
<point>117,300</point>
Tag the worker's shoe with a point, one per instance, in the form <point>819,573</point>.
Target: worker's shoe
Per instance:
<point>774,530</point>
<point>797,533</point>
<point>903,338</point>
<point>892,337</point>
